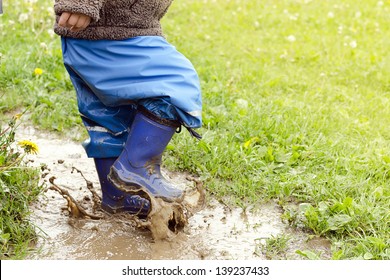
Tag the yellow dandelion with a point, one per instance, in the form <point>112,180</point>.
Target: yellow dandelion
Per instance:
<point>18,116</point>
<point>251,141</point>
<point>29,147</point>
<point>38,71</point>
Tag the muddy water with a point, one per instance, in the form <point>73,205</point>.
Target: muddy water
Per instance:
<point>215,232</point>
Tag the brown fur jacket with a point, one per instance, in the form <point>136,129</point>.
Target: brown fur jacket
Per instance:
<point>114,19</point>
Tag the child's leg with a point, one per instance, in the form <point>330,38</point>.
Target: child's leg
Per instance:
<point>147,71</point>
<point>138,167</point>
<point>107,128</point>
<point>143,70</point>
<point>115,200</point>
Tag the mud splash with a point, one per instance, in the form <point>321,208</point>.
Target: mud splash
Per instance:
<point>211,231</point>
<point>166,219</point>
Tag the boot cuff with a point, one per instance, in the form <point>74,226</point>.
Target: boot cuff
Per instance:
<point>153,117</point>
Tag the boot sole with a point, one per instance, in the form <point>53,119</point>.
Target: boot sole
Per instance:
<point>134,188</point>
<point>111,210</point>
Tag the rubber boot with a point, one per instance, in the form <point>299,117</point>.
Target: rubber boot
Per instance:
<point>115,200</point>
<point>137,169</point>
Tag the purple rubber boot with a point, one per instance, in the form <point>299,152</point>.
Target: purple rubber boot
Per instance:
<point>137,169</point>
<point>115,200</point>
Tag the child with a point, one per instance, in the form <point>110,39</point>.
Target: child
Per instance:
<point>134,91</point>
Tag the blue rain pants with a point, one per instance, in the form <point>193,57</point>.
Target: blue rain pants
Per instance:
<point>113,77</point>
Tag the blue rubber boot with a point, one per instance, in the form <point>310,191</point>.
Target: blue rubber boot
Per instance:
<point>115,200</point>
<point>138,166</point>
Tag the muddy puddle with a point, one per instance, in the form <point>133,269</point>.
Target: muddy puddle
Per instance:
<point>214,232</point>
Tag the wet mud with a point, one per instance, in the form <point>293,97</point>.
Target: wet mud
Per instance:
<point>71,225</point>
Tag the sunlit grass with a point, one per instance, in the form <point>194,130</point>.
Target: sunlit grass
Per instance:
<point>296,110</point>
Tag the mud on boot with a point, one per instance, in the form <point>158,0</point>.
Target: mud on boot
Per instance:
<point>115,200</point>
<point>137,169</point>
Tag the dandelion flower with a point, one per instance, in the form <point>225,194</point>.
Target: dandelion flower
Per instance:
<point>250,142</point>
<point>18,116</point>
<point>28,146</point>
<point>38,71</point>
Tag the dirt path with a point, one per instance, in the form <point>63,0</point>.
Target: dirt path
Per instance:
<point>216,232</point>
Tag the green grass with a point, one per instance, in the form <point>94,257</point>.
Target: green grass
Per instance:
<point>18,189</point>
<point>275,247</point>
<point>28,43</point>
<point>296,106</point>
